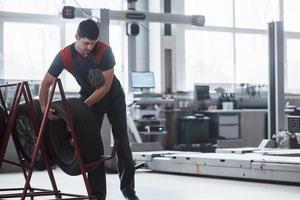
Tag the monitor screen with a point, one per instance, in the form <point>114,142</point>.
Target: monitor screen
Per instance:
<point>201,92</point>
<point>142,80</point>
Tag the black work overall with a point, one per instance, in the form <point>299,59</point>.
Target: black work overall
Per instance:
<point>113,104</point>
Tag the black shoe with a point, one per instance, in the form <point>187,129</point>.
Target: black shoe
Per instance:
<point>131,197</point>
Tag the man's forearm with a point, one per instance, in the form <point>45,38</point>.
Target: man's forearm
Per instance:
<point>102,91</point>
<point>43,96</point>
<point>96,95</point>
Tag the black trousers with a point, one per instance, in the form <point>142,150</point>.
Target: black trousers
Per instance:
<point>116,113</point>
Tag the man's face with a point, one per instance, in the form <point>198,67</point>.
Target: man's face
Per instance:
<point>84,46</point>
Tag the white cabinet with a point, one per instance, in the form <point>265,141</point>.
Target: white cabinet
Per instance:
<point>224,125</point>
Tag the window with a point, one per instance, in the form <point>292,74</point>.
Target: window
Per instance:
<point>117,45</point>
<point>251,58</point>
<point>70,83</point>
<point>111,4</point>
<point>31,6</point>
<point>216,12</point>
<point>254,13</point>
<point>293,63</point>
<point>209,57</point>
<point>231,50</point>
<point>291,15</point>
<point>291,23</point>
<point>32,52</point>
<point>29,49</point>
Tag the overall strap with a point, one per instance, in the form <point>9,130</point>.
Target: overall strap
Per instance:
<point>101,48</point>
<point>66,55</point>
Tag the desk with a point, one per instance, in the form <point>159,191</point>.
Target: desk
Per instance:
<point>252,127</point>
<point>246,131</point>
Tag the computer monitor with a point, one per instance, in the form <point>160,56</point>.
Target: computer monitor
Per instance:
<point>201,92</point>
<point>142,80</point>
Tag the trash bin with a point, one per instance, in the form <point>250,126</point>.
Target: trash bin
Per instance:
<point>193,130</point>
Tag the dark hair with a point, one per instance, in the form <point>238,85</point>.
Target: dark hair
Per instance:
<point>88,29</point>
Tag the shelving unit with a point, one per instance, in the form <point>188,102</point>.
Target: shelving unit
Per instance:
<point>148,118</point>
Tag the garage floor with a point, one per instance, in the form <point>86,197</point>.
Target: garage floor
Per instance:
<point>150,186</point>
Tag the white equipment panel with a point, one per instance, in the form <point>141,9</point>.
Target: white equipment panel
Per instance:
<point>271,165</point>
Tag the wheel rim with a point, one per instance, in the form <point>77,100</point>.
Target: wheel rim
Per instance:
<point>3,122</point>
<point>26,135</point>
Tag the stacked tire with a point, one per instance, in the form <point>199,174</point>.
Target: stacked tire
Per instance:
<point>87,130</point>
<point>3,123</point>
<point>58,141</point>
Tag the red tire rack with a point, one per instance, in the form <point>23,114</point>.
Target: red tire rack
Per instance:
<point>22,88</point>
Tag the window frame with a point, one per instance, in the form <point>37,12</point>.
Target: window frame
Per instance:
<point>27,18</point>
<point>234,30</point>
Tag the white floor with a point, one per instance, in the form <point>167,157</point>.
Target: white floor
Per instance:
<point>156,186</point>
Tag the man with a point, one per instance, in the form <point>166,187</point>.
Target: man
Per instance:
<point>91,63</point>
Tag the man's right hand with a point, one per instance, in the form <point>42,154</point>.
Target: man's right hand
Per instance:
<point>43,95</point>
<point>51,114</point>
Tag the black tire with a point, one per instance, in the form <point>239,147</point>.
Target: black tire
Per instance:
<point>26,135</point>
<point>88,133</point>
<point>3,123</point>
